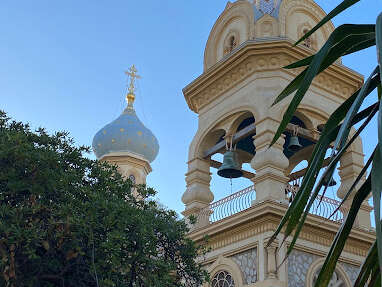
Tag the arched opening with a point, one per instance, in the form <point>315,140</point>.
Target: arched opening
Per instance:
<point>325,205</point>
<point>214,147</point>
<point>246,146</point>
<point>210,140</point>
<point>288,152</point>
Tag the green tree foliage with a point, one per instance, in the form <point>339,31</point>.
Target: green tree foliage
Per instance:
<point>346,39</point>
<point>67,220</point>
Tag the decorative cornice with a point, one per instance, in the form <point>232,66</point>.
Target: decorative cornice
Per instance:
<point>256,56</point>
<point>265,217</point>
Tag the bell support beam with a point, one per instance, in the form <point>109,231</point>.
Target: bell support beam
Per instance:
<point>300,173</point>
<point>293,176</point>
<point>251,130</point>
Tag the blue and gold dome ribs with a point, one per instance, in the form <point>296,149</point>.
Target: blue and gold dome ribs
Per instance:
<point>126,133</point>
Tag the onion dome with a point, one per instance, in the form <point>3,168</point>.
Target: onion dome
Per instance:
<point>126,134</point>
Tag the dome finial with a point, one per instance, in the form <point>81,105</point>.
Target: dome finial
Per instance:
<point>130,97</point>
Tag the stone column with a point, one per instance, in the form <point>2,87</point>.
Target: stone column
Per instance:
<point>271,258</point>
<point>269,162</point>
<point>351,165</point>
<point>198,195</point>
<point>261,261</point>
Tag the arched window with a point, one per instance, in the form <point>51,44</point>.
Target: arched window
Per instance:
<point>335,281</point>
<point>308,41</point>
<point>339,277</point>
<point>222,279</point>
<point>230,44</point>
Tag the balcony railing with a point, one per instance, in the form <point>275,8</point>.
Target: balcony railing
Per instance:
<point>327,207</point>
<point>323,206</point>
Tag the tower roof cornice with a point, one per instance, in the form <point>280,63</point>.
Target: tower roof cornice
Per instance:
<point>264,55</point>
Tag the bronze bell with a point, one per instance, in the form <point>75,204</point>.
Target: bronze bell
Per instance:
<point>329,183</point>
<point>294,144</point>
<point>231,167</point>
<point>321,127</point>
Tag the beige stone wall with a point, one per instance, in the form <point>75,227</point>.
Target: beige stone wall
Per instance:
<point>130,165</point>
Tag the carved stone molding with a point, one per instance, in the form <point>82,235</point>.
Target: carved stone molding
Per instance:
<point>235,75</point>
<point>309,6</point>
<point>254,58</point>
<point>237,10</point>
<point>270,222</point>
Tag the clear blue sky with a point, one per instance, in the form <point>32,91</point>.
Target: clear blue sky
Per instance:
<point>62,67</point>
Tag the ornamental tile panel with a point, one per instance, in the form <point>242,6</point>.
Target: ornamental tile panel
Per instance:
<point>298,265</point>
<point>351,271</point>
<point>247,262</point>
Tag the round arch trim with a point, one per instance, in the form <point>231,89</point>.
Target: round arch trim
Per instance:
<point>315,11</point>
<point>231,12</point>
<point>316,264</point>
<point>194,151</point>
<point>223,263</point>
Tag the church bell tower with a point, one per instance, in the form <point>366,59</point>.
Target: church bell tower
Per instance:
<point>247,47</point>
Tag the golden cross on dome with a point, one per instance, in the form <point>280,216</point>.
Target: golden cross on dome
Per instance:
<point>133,76</point>
<point>132,73</point>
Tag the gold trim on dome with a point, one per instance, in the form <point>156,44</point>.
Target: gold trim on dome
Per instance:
<point>104,132</point>
<point>139,133</point>
<point>121,130</point>
<point>113,140</point>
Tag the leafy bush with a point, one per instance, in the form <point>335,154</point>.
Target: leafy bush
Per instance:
<point>67,220</point>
